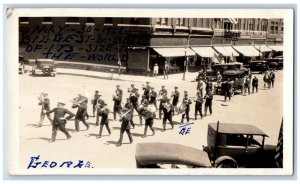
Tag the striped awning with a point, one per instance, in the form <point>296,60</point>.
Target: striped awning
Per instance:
<point>247,50</point>
<point>204,51</point>
<point>278,48</point>
<point>174,52</point>
<point>231,20</point>
<point>262,48</point>
<point>226,51</point>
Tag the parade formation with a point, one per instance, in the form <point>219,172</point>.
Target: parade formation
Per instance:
<point>146,103</point>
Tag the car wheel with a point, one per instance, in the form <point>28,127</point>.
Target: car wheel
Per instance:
<point>225,162</point>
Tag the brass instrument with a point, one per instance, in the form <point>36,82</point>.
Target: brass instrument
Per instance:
<point>166,106</point>
<point>78,100</point>
<point>124,114</point>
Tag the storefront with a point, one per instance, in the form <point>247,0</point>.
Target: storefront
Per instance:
<point>206,57</point>
<point>227,52</point>
<point>247,53</point>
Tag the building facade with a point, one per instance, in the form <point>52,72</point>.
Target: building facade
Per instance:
<point>139,43</point>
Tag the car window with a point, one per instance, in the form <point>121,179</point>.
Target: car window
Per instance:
<point>236,140</point>
<point>255,140</point>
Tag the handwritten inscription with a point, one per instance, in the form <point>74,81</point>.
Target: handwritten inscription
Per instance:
<point>185,128</point>
<point>35,162</point>
<point>74,42</point>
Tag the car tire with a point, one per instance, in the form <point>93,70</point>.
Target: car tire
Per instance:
<point>225,162</point>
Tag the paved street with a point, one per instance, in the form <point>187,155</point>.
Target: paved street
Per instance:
<point>263,109</point>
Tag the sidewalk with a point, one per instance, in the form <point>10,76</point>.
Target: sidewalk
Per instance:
<point>173,78</point>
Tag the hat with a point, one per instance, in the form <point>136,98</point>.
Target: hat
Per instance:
<point>146,102</point>
<point>45,94</point>
<point>185,92</point>
<point>61,103</point>
<point>163,86</point>
<point>176,87</point>
<point>152,87</point>
<point>132,84</point>
<point>118,85</point>
<point>147,82</point>
<point>97,91</point>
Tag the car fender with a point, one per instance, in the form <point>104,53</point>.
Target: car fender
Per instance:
<point>225,160</point>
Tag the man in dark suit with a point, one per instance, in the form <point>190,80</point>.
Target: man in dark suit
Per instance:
<point>186,101</point>
<point>149,116</point>
<point>45,103</point>
<point>163,99</point>
<point>94,101</point>
<point>119,92</point>
<point>130,107</point>
<point>175,95</point>
<point>147,90</point>
<point>117,106</point>
<point>59,121</point>
<point>125,126</point>
<point>81,114</point>
<point>100,104</point>
<point>198,105</point>
<point>167,109</point>
<point>254,84</point>
<point>104,112</point>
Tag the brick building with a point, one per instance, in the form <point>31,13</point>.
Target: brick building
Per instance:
<point>140,42</point>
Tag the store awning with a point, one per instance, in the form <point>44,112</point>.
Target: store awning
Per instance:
<point>247,50</point>
<point>277,48</point>
<point>204,51</point>
<point>231,20</point>
<point>174,52</point>
<point>262,48</point>
<point>226,51</point>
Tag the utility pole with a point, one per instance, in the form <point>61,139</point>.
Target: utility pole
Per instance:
<point>185,64</point>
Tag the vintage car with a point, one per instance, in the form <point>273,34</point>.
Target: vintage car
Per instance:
<point>236,78</point>
<point>44,67</point>
<point>236,66</point>
<point>168,155</point>
<point>258,66</point>
<point>243,143</point>
<point>275,63</point>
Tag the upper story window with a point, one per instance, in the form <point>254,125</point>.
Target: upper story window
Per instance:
<point>24,20</point>
<point>180,22</point>
<point>161,21</point>
<point>108,20</point>
<point>134,21</point>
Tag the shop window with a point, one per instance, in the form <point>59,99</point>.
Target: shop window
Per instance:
<point>24,20</point>
<point>47,20</point>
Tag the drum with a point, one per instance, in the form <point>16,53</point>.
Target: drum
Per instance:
<point>140,107</point>
<point>152,108</point>
<point>180,108</point>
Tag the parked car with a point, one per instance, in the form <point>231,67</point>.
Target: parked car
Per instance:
<point>275,63</point>
<point>243,143</point>
<point>258,66</point>
<point>168,155</point>
<point>44,67</point>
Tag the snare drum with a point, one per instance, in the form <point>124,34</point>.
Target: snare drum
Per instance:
<point>152,108</point>
<point>180,108</point>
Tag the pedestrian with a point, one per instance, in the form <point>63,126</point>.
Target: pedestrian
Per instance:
<point>100,104</point>
<point>186,103</point>
<point>81,113</point>
<point>272,78</point>
<point>254,84</point>
<point>128,105</point>
<point>94,101</point>
<point>155,70</point>
<point>117,106</point>
<point>149,119</point>
<point>125,126</point>
<point>59,120</point>
<point>167,109</point>
<point>267,81</point>
<point>208,102</point>
<point>219,78</point>
<point>226,90</point>
<point>104,112</point>
<point>198,105</point>
<point>200,86</point>
<point>175,95</point>
<point>162,98</point>
<point>166,70</point>
<point>247,85</point>
<point>45,103</point>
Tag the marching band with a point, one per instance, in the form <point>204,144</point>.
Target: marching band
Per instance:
<point>146,109</point>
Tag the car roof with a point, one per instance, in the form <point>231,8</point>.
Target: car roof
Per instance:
<point>258,61</point>
<point>233,72</point>
<point>236,128</point>
<point>168,153</point>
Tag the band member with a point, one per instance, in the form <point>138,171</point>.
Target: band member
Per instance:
<point>198,105</point>
<point>143,100</point>
<point>167,109</point>
<point>152,97</point>
<point>45,103</point>
<point>100,104</point>
<point>163,99</point>
<point>94,101</point>
<point>59,121</point>
<point>175,95</point>
<point>81,113</point>
<point>186,101</point>
<point>125,127</point>
<point>209,86</point>
<point>119,92</point>
<point>208,102</point>
<point>149,116</point>
<point>117,106</point>
<point>146,90</point>
<point>130,107</point>
<point>104,112</point>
